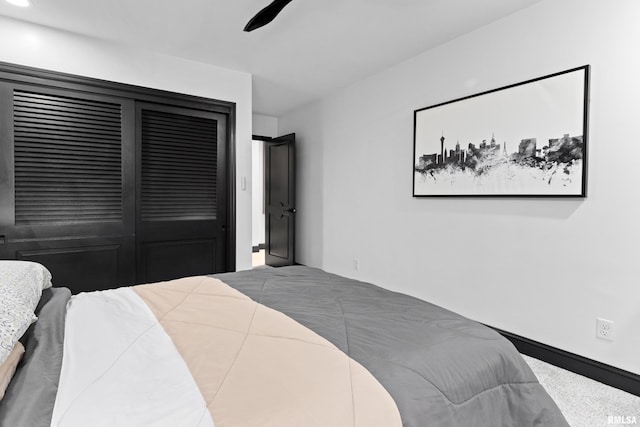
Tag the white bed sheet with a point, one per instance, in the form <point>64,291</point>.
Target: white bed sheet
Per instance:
<point>120,368</point>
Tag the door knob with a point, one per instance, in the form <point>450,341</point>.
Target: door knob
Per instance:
<point>287,212</point>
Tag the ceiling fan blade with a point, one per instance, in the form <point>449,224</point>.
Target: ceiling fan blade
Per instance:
<point>266,15</point>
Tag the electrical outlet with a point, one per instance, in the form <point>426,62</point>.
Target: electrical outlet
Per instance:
<point>604,329</point>
<point>356,264</point>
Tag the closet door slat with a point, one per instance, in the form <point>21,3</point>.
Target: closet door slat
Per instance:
<point>68,159</point>
<point>179,167</point>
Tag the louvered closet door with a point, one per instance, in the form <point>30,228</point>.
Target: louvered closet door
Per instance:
<point>67,161</point>
<point>181,192</point>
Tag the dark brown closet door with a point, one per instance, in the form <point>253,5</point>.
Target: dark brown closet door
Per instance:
<point>181,199</point>
<point>65,170</point>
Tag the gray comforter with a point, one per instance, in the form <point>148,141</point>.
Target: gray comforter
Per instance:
<point>30,397</point>
<point>441,368</point>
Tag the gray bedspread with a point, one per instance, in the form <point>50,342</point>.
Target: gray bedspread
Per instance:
<point>441,368</point>
<point>30,397</point>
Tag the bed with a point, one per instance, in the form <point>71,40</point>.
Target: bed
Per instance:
<point>289,346</point>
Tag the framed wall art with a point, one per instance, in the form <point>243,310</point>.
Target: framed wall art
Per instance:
<point>527,139</point>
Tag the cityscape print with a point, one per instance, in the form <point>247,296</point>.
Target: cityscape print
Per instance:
<point>558,163</point>
<point>526,139</point>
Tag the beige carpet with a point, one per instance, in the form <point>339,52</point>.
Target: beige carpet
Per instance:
<point>585,402</point>
<point>258,258</point>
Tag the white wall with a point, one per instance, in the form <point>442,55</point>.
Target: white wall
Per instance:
<point>41,47</point>
<point>543,269</point>
<point>265,125</point>
<point>311,168</point>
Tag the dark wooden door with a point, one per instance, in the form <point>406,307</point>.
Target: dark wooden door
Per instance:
<point>181,192</point>
<point>280,199</point>
<point>66,184</point>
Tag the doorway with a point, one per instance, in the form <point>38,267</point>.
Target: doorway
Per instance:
<point>273,201</point>
<point>257,201</point>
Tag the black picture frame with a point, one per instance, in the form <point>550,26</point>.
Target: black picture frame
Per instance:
<point>527,139</point>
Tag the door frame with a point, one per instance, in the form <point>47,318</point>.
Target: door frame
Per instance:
<point>263,139</point>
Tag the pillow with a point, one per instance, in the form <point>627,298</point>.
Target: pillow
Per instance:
<point>21,285</point>
<point>8,368</point>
